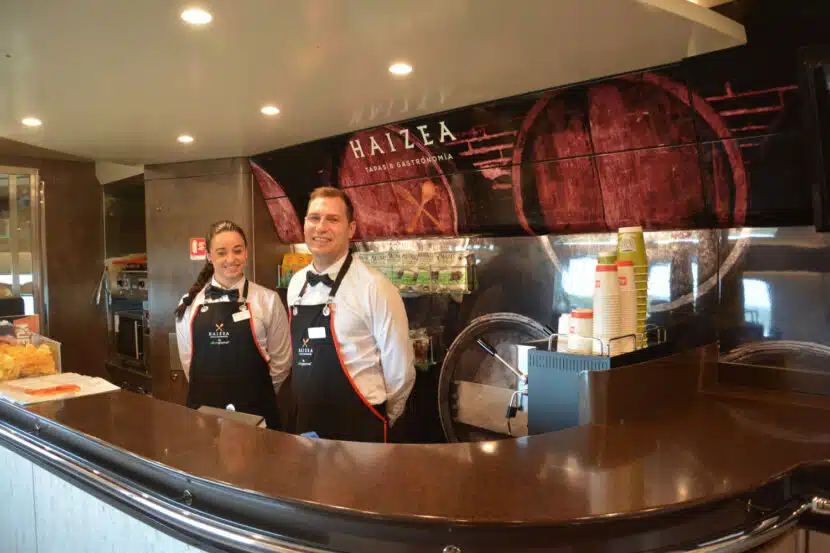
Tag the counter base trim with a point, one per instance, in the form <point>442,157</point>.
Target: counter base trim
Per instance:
<point>168,514</point>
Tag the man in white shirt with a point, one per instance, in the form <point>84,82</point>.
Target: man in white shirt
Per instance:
<point>353,366</point>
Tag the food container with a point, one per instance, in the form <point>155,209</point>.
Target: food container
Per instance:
<point>409,271</point>
<point>291,264</point>
<point>394,268</point>
<point>423,278</point>
<point>421,347</point>
<point>40,357</point>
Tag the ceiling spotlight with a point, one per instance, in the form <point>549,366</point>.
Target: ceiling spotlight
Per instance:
<point>195,16</point>
<point>185,139</point>
<point>32,121</point>
<point>270,110</point>
<point>400,69</point>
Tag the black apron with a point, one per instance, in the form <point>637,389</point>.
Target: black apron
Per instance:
<point>328,402</point>
<point>227,366</point>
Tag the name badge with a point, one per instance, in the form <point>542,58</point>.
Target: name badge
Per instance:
<point>241,316</point>
<point>317,332</point>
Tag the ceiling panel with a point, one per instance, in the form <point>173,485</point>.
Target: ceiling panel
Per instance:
<point>119,80</point>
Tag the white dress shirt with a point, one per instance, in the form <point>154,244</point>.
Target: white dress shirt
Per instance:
<point>270,324</point>
<point>372,331</point>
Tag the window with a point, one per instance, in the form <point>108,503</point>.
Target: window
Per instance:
<point>758,304</point>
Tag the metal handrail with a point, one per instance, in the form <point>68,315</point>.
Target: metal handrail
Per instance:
<point>192,522</point>
<point>186,520</point>
<point>758,534</point>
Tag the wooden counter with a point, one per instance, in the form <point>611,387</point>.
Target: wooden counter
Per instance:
<point>704,459</point>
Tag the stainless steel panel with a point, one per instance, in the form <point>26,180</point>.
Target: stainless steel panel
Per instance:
<point>775,299</point>
<point>484,406</point>
<point>205,168</point>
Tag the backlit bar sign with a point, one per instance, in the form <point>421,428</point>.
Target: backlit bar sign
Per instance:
<point>198,249</point>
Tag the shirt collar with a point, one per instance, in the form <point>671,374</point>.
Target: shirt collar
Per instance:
<point>333,269</point>
<point>237,286</point>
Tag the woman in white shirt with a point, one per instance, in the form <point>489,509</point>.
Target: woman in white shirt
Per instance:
<point>232,334</point>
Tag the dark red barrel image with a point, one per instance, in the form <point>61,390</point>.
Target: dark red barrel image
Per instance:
<point>288,226</point>
<point>403,190</point>
<point>624,152</point>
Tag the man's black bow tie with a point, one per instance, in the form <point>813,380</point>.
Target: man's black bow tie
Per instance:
<point>313,279</point>
<point>215,293</point>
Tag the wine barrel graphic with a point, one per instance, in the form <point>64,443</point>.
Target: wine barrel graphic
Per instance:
<point>288,226</point>
<point>624,152</point>
<point>401,193</point>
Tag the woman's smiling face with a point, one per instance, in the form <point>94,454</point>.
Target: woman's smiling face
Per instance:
<point>229,254</point>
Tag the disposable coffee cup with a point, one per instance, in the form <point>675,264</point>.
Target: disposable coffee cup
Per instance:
<point>581,331</point>
<point>631,246</point>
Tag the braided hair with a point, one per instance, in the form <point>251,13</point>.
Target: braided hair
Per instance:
<point>207,271</point>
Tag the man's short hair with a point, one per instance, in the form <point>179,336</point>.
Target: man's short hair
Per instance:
<point>332,192</point>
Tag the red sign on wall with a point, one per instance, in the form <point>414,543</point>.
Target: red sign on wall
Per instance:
<point>198,249</point>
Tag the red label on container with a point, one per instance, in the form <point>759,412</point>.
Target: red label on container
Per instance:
<point>623,280</point>
<point>198,249</point>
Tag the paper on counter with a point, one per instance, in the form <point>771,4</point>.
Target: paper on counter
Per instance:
<point>27,391</point>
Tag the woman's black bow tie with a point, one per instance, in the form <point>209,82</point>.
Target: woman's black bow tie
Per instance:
<point>313,279</point>
<point>216,293</point>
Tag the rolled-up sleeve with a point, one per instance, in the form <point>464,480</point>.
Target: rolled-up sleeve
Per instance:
<point>391,330</point>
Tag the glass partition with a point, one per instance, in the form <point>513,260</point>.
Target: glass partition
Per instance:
<point>21,273</point>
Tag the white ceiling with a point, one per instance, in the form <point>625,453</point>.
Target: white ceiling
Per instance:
<point>119,80</point>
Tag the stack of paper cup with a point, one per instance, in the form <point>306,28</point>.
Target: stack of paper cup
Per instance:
<point>632,247</point>
<point>628,305</point>
<point>581,330</point>
<point>564,328</point>
<point>606,306</point>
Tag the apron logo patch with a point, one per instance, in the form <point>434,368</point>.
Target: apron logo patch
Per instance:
<point>305,353</point>
<point>219,337</point>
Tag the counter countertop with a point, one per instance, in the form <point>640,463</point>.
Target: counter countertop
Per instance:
<point>719,446</point>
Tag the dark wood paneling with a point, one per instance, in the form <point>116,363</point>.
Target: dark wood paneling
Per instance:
<point>125,223</point>
<point>182,200</point>
<point>266,246</point>
<point>75,259</point>
<point>14,149</point>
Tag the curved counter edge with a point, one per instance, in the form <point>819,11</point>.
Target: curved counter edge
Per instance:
<point>175,517</point>
<point>195,509</point>
<point>181,520</point>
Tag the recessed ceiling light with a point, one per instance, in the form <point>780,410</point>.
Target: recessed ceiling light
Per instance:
<point>185,139</point>
<point>195,16</point>
<point>400,68</point>
<point>32,121</point>
<point>270,110</point>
